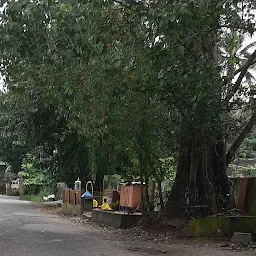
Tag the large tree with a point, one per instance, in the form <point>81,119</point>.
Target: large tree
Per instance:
<point>119,69</point>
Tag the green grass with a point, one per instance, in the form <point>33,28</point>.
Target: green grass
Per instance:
<point>34,198</point>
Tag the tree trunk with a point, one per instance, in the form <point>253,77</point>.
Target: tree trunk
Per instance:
<point>146,194</point>
<point>205,191</point>
<point>141,162</point>
<point>177,199</point>
<point>159,187</point>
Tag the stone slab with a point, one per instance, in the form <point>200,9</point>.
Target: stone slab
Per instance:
<point>116,219</point>
<point>243,238</point>
<point>227,224</point>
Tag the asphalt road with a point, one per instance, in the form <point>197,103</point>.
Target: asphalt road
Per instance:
<point>24,231</point>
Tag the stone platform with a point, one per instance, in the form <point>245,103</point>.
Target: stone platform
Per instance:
<point>228,225</point>
<point>116,219</point>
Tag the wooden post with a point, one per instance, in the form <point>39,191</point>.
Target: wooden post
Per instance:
<point>242,193</point>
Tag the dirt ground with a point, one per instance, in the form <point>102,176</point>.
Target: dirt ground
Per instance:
<point>149,243</point>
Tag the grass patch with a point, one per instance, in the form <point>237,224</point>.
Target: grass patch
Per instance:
<point>34,198</point>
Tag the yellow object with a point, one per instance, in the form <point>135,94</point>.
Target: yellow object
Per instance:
<point>105,207</point>
<point>95,203</point>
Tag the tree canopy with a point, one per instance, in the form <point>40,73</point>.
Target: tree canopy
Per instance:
<point>114,86</point>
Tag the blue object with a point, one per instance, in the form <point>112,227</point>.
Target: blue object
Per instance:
<point>87,194</point>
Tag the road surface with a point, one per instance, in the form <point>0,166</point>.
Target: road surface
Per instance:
<point>24,231</point>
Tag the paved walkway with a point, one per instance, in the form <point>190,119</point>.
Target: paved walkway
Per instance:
<point>24,231</point>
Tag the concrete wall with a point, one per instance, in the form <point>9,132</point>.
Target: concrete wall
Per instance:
<point>12,189</point>
<point>116,219</point>
<point>73,210</point>
<point>227,224</point>
<point>15,184</point>
<point>245,195</point>
<point>60,187</point>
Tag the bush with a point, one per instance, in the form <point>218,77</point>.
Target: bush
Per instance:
<point>35,183</point>
<point>32,178</point>
<point>15,193</point>
<point>241,171</point>
<point>34,198</point>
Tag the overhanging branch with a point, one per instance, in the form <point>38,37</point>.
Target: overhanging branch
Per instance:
<point>240,69</point>
<point>177,105</point>
<point>231,154</point>
<point>241,76</point>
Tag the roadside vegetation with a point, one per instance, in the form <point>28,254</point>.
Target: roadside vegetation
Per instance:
<point>151,89</point>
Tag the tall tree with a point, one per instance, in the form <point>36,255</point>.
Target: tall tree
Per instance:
<point>104,70</point>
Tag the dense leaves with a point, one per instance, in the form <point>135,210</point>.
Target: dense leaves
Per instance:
<point>102,87</point>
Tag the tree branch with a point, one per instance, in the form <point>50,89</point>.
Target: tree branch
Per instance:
<point>240,69</point>
<point>231,154</point>
<point>241,76</point>
<point>182,113</point>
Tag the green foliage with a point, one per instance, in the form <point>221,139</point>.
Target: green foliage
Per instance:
<point>167,168</point>
<point>241,171</point>
<point>32,179</point>
<point>249,146</point>
<point>12,150</point>
<point>101,87</point>
<point>34,198</point>
<point>28,165</point>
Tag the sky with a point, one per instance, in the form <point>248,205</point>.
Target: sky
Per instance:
<point>248,40</point>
